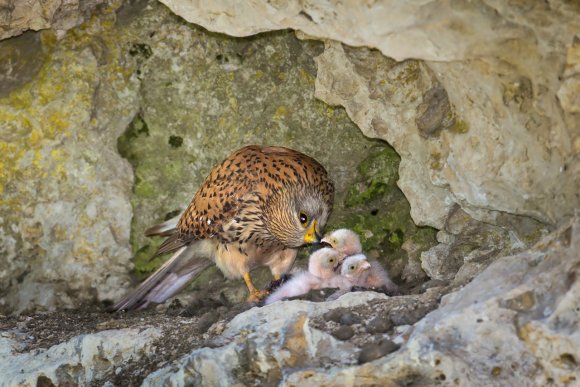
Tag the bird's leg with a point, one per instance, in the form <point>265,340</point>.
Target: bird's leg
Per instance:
<point>255,294</point>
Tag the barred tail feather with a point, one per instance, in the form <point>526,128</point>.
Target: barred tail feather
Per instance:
<point>166,228</point>
<point>185,264</point>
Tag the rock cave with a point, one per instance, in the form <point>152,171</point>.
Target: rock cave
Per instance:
<point>451,130</point>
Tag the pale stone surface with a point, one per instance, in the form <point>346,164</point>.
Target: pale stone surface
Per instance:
<point>515,324</point>
<point>381,96</point>
<point>467,246</point>
<point>19,16</point>
<point>65,191</point>
<point>263,343</point>
<point>173,100</point>
<point>79,361</point>
<point>509,148</point>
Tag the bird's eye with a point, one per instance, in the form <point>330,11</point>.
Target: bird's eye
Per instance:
<point>351,268</point>
<point>331,260</point>
<point>303,218</point>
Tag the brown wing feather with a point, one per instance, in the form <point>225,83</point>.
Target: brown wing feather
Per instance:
<point>250,169</point>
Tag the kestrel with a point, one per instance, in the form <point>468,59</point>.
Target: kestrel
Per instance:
<point>345,241</point>
<point>254,209</point>
<point>367,274</point>
<point>324,262</point>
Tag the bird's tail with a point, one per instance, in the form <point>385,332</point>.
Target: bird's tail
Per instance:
<point>166,228</point>
<point>185,264</point>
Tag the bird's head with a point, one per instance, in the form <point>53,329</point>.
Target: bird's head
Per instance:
<point>323,262</point>
<point>353,266</point>
<point>296,216</point>
<point>345,241</point>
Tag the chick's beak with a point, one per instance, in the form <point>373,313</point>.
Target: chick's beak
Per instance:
<point>312,235</point>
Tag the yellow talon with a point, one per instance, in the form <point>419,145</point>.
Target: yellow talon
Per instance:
<point>255,294</point>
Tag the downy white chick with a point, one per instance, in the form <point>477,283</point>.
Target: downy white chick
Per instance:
<point>367,274</point>
<point>321,274</point>
<point>345,241</point>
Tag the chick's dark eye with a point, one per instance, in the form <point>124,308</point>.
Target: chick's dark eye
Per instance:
<point>351,267</point>
<point>303,218</point>
<point>331,260</point>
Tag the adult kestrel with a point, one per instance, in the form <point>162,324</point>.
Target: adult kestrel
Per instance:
<point>254,209</point>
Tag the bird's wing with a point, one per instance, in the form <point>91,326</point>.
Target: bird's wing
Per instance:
<point>166,228</point>
<point>185,264</point>
<point>218,199</point>
<point>254,170</point>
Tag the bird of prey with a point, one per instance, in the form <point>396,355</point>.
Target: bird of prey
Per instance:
<point>255,208</point>
<point>367,274</point>
<point>345,241</point>
<point>321,274</point>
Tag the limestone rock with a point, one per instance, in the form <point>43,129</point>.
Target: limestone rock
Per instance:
<point>224,93</point>
<point>263,343</point>
<point>72,208</point>
<point>19,16</point>
<point>64,209</point>
<point>507,147</point>
<point>516,323</point>
<point>467,246</point>
<point>79,361</point>
<point>382,96</point>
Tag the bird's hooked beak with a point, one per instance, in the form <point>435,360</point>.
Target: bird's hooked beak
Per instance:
<point>324,242</point>
<point>312,236</point>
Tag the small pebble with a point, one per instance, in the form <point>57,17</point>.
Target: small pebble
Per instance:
<point>344,332</point>
<point>379,324</point>
<point>335,314</point>
<point>207,320</point>
<point>373,351</point>
<point>409,316</point>
<point>349,318</point>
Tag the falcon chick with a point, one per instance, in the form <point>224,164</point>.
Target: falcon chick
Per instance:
<point>321,273</point>
<point>254,209</point>
<point>367,274</point>
<point>348,243</point>
<point>323,263</point>
<point>345,241</point>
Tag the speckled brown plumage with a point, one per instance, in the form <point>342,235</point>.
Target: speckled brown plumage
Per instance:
<point>254,209</point>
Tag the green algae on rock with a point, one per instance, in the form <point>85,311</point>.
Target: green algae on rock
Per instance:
<point>225,93</point>
<point>64,203</point>
<point>378,211</point>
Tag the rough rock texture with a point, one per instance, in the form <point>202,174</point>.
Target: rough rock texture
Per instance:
<point>492,121</point>
<point>515,324</point>
<point>64,206</point>
<point>79,361</point>
<point>19,16</point>
<point>257,345</point>
<point>467,246</point>
<point>225,93</point>
<point>178,99</point>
